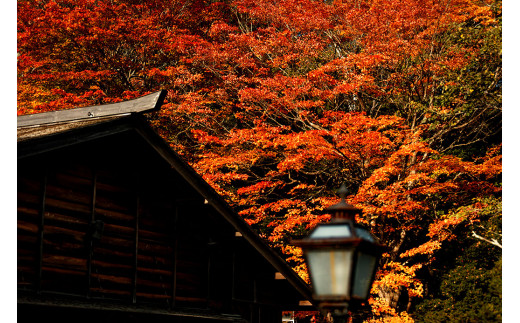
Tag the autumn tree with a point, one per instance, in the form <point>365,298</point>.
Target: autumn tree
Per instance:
<point>473,280</point>
<point>276,104</point>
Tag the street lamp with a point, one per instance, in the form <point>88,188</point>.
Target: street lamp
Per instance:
<point>342,258</point>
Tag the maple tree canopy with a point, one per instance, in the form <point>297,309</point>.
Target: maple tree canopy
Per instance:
<point>278,103</point>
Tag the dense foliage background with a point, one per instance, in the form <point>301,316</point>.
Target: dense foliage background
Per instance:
<point>276,103</point>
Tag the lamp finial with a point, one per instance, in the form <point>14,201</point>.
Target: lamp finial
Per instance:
<point>342,191</point>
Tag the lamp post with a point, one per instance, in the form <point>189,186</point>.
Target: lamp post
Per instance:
<point>342,258</point>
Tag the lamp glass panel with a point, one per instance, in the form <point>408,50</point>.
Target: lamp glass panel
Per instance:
<point>331,231</point>
<point>364,234</point>
<point>365,266</point>
<point>330,271</point>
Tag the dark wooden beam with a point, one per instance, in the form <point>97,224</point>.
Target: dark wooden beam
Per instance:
<point>175,231</point>
<point>136,250</point>
<point>90,240</point>
<point>40,231</point>
<point>146,103</point>
<point>36,308</point>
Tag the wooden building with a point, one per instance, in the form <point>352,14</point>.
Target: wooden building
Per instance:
<point>114,227</point>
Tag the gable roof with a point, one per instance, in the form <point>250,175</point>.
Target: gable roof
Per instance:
<point>40,133</point>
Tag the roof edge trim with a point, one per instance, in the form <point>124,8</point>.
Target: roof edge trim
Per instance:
<point>145,103</point>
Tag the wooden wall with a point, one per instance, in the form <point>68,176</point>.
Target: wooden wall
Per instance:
<point>111,220</point>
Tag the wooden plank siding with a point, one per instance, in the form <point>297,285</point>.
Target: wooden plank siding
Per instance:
<point>160,244</point>
<point>134,259</point>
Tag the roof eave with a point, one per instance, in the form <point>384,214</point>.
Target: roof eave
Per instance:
<point>145,103</point>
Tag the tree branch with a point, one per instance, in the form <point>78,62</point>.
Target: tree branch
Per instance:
<point>492,241</point>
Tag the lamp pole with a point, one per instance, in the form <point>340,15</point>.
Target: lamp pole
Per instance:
<point>342,258</point>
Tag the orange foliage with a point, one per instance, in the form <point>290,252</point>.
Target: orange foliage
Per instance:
<point>277,104</point>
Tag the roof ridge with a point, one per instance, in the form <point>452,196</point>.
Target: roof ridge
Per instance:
<point>145,103</point>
